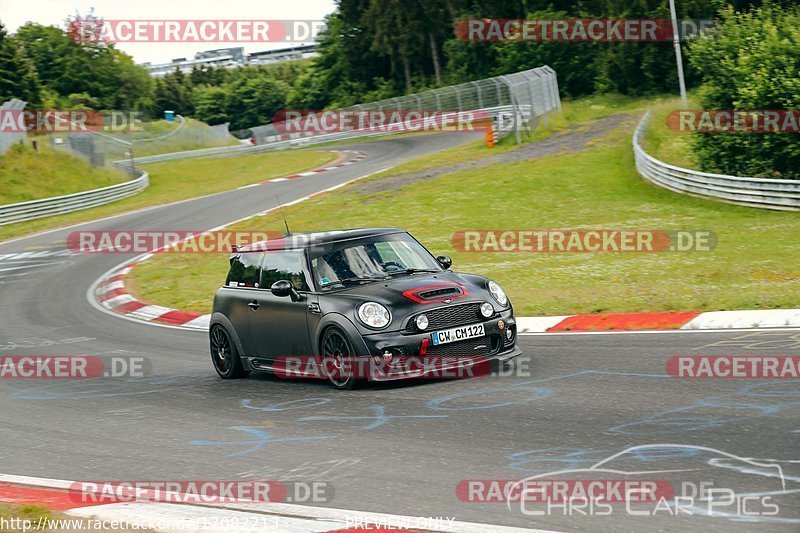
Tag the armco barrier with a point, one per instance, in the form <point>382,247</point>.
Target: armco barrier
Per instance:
<point>58,205</point>
<point>783,195</point>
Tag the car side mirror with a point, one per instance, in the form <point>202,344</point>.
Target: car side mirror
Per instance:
<point>284,288</point>
<point>445,261</point>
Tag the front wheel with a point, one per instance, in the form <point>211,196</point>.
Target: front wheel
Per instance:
<point>339,360</point>
<point>224,354</point>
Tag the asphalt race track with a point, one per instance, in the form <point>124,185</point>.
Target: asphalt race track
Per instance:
<point>571,401</point>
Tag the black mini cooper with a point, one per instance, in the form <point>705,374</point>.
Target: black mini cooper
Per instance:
<point>332,304</point>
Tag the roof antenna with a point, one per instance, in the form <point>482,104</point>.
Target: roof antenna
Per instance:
<point>288,233</point>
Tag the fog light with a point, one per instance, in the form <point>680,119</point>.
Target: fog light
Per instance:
<point>510,334</point>
<point>422,321</point>
<point>487,310</point>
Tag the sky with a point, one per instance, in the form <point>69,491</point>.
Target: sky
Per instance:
<point>14,13</point>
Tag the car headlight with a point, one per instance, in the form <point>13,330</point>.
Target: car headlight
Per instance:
<point>498,293</point>
<point>422,322</point>
<point>486,310</point>
<point>374,315</point>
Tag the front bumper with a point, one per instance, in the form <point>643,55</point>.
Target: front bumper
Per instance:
<point>399,355</point>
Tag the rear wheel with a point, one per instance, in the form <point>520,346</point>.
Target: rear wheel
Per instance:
<point>339,360</point>
<point>224,354</point>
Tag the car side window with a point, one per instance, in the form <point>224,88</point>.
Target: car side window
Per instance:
<point>284,264</point>
<point>245,270</point>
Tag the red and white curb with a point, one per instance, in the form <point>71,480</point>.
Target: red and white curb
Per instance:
<point>111,293</point>
<point>769,318</point>
<point>240,517</point>
<point>356,156</point>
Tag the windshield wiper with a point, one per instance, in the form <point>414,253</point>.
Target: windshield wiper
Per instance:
<point>346,281</point>
<point>411,271</point>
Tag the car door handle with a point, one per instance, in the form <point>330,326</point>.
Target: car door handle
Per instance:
<point>254,305</point>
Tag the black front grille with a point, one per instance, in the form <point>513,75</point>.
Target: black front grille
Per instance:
<point>479,346</point>
<point>447,317</point>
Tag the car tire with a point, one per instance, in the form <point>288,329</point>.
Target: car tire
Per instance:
<point>336,345</point>
<point>225,355</point>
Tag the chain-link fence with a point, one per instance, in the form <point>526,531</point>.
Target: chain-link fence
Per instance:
<point>514,102</point>
<point>140,141</point>
<point>9,138</point>
<point>528,96</point>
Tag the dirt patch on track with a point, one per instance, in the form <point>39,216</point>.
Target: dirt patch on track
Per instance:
<point>574,138</point>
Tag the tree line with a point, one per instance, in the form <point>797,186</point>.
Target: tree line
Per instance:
<point>375,49</point>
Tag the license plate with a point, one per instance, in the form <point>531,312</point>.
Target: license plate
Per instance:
<point>457,334</point>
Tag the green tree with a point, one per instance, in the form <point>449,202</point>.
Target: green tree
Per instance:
<point>211,104</point>
<point>173,92</point>
<point>254,101</point>
<point>68,66</point>
<point>750,61</point>
<point>18,79</point>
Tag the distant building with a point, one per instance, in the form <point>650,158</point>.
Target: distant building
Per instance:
<point>229,58</point>
<point>284,54</point>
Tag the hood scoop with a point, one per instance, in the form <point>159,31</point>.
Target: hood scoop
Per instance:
<point>436,293</point>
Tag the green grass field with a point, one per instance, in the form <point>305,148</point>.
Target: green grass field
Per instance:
<point>753,267</point>
<point>27,174</point>
<point>667,145</point>
<point>186,178</point>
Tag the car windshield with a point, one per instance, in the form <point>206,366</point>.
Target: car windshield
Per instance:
<point>369,259</point>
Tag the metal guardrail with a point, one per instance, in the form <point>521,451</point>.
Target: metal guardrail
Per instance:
<point>24,211</point>
<point>783,195</point>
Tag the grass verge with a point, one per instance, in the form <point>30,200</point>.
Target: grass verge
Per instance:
<point>665,144</point>
<point>171,181</point>
<point>27,174</point>
<point>752,267</point>
<point>27,518</point>
<point>15,516</point>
